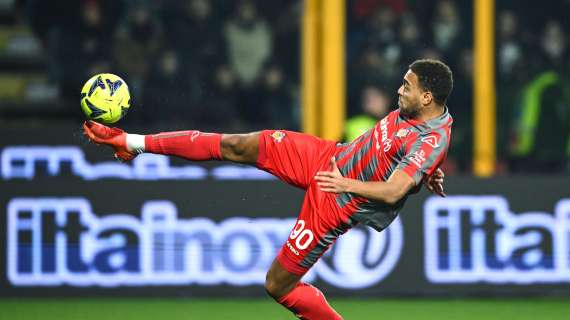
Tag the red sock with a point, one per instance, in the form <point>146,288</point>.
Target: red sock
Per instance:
<point>308,303</point>
<point>190,145</point>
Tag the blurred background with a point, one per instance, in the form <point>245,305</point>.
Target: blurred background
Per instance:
<point>329,68</point>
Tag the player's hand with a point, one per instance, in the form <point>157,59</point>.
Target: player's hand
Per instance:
<point>332,181</point>
<point>434,183</point>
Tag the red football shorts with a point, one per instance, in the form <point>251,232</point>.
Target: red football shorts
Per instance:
<point>296,158</point>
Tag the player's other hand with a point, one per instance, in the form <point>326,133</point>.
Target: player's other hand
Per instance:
<point>332,181</point>
<point>434,183</point>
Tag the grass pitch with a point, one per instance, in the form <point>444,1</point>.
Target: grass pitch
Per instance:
<point>264,309</point>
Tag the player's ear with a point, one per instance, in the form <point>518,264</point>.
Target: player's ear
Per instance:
<point>426,98</point>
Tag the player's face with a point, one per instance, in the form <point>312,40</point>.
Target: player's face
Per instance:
<point>409,94</point>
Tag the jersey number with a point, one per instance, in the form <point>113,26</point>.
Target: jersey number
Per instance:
<point>304,236</point>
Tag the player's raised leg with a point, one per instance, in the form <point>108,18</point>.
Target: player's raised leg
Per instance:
<point>304,300</point>
<point>290,156</point>
<point>191,145</point>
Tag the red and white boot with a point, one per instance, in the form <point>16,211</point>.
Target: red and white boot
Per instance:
<point>114,137</point>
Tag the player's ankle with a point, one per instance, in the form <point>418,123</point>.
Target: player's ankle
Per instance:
<point>135,143</point>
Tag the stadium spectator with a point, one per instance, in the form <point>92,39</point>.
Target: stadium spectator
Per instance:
<point>409,38</point>
<point>512,72</point>
<point>446,27</point>
<point>375,105</point>
<point>168,93</point>
<point>382,33</point>
<point>382,27</point>
<point>75,34</point>
<point>368,69</point>
<point>217,106</point>
<point>541,127</point>
<point>276,98</point>
<point>554,45</point>
<point>248,39</point>
<point>287,39</point>
<point>194,30</point>
<point>137,40</point>
<point>459,158</point>
<point>510,50</point>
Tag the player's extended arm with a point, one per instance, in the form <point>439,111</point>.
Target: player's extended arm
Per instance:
<point>389,192</point>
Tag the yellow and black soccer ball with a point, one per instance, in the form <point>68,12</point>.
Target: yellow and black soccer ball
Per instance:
<point>105,98</point>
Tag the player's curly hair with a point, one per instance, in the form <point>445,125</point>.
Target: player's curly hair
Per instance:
<point>434,76</point>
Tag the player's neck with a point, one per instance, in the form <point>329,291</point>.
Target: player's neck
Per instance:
<point>431,113</point>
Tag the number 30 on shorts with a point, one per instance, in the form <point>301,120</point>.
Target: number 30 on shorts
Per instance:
<point>304,236</point>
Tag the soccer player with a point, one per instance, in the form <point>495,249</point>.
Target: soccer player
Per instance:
<point>366,181</point>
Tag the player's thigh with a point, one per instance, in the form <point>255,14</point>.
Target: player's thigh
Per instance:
<point>242,148</point>
<point>314,232</point>
<point>293,157</point>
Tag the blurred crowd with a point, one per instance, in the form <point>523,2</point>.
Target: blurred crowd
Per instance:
<point>234,65</point>
<point>533,85</point>
<point>224,63</point>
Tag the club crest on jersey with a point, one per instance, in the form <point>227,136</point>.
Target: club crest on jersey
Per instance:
<point>402,133</point>
<point>431,140</point>
<point>278,136</point>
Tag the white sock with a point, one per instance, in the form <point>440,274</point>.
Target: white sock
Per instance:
<point>135,142</point>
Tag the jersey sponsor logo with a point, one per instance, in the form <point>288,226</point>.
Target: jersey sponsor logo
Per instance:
<point>386,142</point>
<point>431,140</point>
<point>377,139</point>
<point>418,158</point>
<point>387,145</point>
<point>61,241</point>
<point>479,239</point>
<point>278,136</point>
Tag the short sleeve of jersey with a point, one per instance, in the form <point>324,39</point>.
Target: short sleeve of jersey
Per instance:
<point>425,154</point>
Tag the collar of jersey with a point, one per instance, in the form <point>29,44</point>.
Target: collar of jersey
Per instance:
<point>430,124</point>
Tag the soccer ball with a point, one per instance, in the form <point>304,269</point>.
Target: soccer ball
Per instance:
<point>105,98</point>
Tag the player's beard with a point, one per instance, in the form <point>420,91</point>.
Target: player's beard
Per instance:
<point>408,111</point>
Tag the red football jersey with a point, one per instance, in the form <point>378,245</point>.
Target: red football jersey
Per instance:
<point>395,142</point>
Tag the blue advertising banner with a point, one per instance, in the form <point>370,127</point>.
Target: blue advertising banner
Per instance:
<point>75,223</point>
